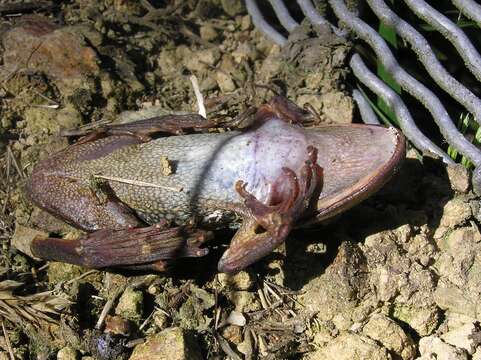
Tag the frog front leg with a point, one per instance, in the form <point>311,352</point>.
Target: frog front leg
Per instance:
<point>143,129</point>
<point>167,124</point>
<point>266,226</point>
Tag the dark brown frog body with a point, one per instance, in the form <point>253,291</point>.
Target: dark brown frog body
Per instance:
<point>267,179</point>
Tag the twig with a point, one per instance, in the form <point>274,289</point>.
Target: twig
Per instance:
<point>85,274</point>
<point>139,183</point>
<point>135,342</point>
<point>263,299</point>
<point>226,347</point>
<point>217,316</point>
<point>108,305</point>
<point>15,163</point>
<point>144,323</point>
<point>272,292</point>
<point>7,341</point>
<point>198,96</point>
<point>469,9</point>
<point>7,191</point>
<point>46,98</point>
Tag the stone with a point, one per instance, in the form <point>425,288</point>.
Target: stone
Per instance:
<point>244,301</point>
<point>117,325</point>
<point>432,347</point>
<point>225,82</point>
<point>337,107</point>
<point>39,121</point>
<point>232,333</point>
<point>389,268</point>
<point>208,32</point>
<point>395,276</point>
<point>459,266</point>
<point>456,212</point>
<point>335,294</point>
<point>458,177</point>
<point>67,353</point>
<point>68,117</point>
<point>58,272</point>
<point>131,304</point>
<point>233,7</point>
<point>350,346</point>
<point>23,237</point>
<point>270,67</point>
<point>243,280</point>
<point>465,337</point>
<point>477,355</point>
<point>60,52</point>
<point>199,61</point>
<point>170,344</point>
<point>423,319</point>
<point>236,318</point>
<point>246,23</point>
<point>390,335</point>
<point>191,315</point>
<point>421,248</point>
<point>245,51</point>
<point>160,320</point>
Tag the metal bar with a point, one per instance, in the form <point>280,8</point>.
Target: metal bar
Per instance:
<point>283,15</point>
<point>315,18</point>
<point>470,9</point>
<point>423,50</point>
<point>450,31</point>
<point>406,122</point>
<point>261,24</point>
<point>407,82</point>
<point>367,113</point>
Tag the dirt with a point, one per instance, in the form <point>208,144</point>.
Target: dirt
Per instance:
<point>397,277</point>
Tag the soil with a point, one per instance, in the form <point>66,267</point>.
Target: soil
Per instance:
<point>397,277</point>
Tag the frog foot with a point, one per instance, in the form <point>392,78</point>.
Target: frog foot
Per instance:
<point>128,247</point>
<point>268,225</point>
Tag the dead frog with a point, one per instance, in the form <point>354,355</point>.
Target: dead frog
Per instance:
<point>271,177</point>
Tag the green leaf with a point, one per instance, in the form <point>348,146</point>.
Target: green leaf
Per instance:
<point>389,34</point>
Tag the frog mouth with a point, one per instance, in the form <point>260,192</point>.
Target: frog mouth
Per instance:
<point>357,161</point>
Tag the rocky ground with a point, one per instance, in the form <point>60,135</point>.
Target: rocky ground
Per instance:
<point>397,277</point>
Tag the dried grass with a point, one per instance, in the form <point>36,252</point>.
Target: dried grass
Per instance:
<point>33,309</point>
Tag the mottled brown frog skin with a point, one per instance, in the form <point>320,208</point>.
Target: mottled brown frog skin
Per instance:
<point>268,178</point>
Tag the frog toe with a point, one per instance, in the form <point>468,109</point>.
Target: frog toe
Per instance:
<point>268,225</point>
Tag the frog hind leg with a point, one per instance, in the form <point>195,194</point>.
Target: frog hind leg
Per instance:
<point>267,226</point>
<point>132,248</point>
<point>117,237</point>
<point>56,190</point>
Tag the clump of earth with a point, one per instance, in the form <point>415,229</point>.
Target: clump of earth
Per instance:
<point>397,277</point>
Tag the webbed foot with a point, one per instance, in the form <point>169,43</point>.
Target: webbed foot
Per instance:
<point>291,198</point>
<point>124,247</point>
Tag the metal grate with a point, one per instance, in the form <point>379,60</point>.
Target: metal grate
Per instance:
<point>418,43</point>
